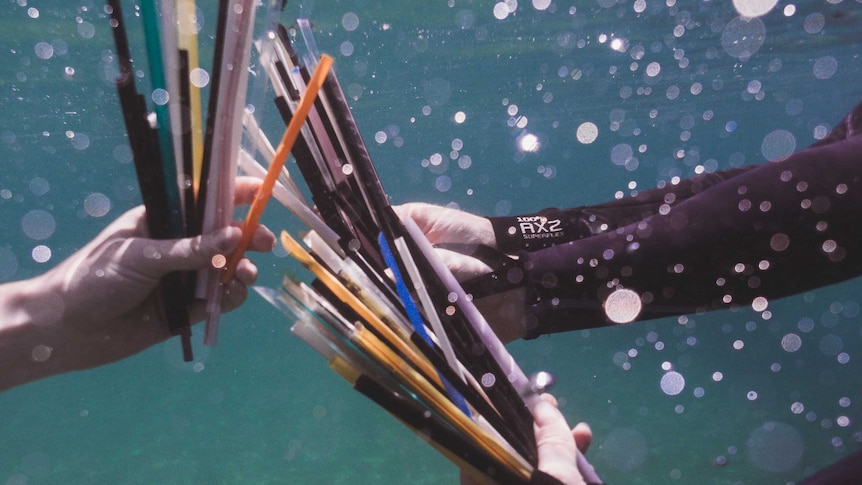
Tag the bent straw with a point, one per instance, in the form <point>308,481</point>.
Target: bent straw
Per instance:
<point>281,153</point>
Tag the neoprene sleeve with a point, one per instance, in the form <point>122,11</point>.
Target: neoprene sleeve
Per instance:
<point>714,241</point>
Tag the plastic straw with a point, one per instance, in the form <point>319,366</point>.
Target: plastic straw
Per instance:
<point>265,191</point>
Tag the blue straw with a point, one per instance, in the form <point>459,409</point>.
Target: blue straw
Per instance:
<point>416,318</point>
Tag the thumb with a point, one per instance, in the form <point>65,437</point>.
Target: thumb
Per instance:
<point>159,257</point>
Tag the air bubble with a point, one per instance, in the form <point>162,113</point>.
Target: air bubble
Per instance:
<point>777,145</point>
<point>44,50</point>
<point>623,306</point>
<point>39,186</point>
<point>346,48</point>
<point>779,242</point>
<point>443,183</point>
<point>350,21</point>
<point>791,342</point>
<point>814,23</point>
<point>775,447</point>
<point>754,8</point>
<point>587,133</point>
<point>831,344</point>
<point>488,380</point>
<point>825,67</point>
<point>672,383</point>
<point>41,254</point>
<point>199,78</point>
<point>742,37</point>
<point>38,224</point>
<point>97,204</point>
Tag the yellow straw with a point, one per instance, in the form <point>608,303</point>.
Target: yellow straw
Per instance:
<point>281,153</point>
<point>188,40</point>
<point>405,347</point>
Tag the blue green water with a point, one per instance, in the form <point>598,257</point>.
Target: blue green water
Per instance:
<point>449,96</point>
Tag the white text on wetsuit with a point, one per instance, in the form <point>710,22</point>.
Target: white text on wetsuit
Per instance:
<point>539,227</point>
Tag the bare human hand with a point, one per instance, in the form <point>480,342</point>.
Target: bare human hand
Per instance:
<point>101,304</point>
<point>556,444</point>
<point>442,225</point>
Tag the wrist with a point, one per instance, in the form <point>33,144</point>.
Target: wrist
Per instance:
<point>543,229</point>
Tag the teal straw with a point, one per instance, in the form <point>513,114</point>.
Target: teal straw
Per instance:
<point>149,13</point>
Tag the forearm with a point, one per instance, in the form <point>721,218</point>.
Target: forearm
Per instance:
<point>31,344</point>
<point>776,230</point>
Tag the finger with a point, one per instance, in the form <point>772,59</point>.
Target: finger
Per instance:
<point>549,398</point>
<point>463,267</point>
<point>554,443</point>
<point>159,257</point>
<point>583,436</point>
<point>263,240</point>
<point>246,272</point>
<point>552,430</point>
<point>245,189</point>
<point>235,294</point>
<point>434,221</point>
<point>418,211</point>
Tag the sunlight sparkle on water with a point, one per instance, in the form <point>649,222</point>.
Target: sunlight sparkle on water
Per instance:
<point>529,142</point>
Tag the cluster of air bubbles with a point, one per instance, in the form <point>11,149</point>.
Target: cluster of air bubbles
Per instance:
<point>505,8</point>
<point>80,141</point>
<point>622,155</point>
<point>515,120</point>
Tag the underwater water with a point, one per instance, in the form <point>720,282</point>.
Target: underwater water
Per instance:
<point>498,108</point>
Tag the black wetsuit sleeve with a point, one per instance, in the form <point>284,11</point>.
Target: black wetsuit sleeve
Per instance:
<point>715,241</point>
<point>847,470</point>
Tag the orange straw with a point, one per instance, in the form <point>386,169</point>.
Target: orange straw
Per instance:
<point>281,153</point>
